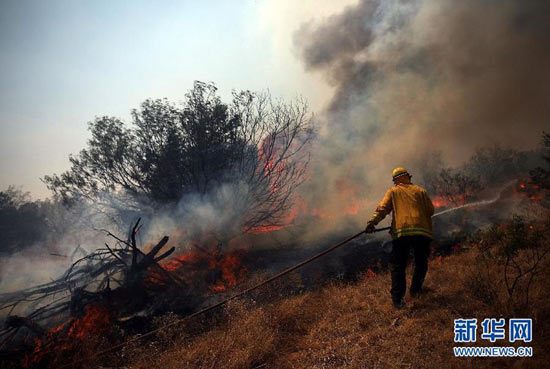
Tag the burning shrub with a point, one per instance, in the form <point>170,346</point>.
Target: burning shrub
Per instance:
<point>202,270</point>
<point>254,144</point>
<point>490,168</point>
<point>456,187</point>
<point>116,288</point>
<point>77,335</point>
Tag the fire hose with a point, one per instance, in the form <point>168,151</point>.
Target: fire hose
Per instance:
<point>223,302</point>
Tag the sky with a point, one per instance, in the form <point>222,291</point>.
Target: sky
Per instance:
<point>65,62</point>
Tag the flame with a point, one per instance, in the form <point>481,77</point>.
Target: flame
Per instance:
<point>232,270</point>
<point>95,322</point>
<point>297,209</point>
<point>439,201</point>
<point>269,153</point>
<point>531,191</point>
<point>182,260</point>
<point>195,265</point>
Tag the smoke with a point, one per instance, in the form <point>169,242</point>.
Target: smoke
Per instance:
<point>409,79</point>
<point>414,78</point>
<point>81,230</point>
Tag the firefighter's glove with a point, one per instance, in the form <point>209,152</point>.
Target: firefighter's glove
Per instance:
<point>370,227</point>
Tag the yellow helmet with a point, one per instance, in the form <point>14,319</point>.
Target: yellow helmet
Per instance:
<point>399,172</point>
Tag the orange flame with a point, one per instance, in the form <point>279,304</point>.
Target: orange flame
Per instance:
<point>194,265</point>
<point>439,201</point>
<point>95,322</point>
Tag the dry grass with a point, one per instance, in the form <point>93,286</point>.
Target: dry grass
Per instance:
<point>355,326</point>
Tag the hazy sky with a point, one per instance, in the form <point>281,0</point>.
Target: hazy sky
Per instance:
<point>64,62</point>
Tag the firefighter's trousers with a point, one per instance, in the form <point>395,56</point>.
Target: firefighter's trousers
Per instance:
<point>399,258</point>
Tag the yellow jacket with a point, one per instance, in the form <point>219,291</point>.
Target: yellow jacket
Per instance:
<point>411,209</point>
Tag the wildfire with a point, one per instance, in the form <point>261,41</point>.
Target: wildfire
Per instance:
<point>95,322</point>
<point>220,271</point>
<point>232,270</point>
<point>531,190</point>
<point>297,209</point>
<point>439,201</point>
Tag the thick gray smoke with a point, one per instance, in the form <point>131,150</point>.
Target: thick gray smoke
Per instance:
<point>412,78</point>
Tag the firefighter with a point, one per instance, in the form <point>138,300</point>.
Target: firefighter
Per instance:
<point>411,227</point>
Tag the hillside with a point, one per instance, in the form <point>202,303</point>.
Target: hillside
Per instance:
<point>355,326</point>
